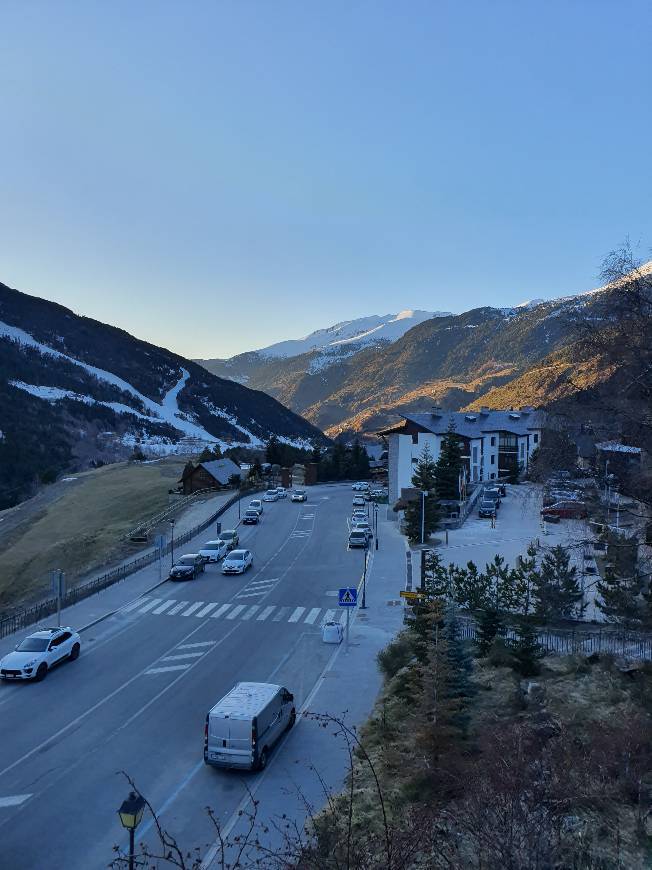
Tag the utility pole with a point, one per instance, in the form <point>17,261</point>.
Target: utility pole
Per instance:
<point>172,543</point>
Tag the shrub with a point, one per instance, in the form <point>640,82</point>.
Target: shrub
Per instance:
<point>395,656</point>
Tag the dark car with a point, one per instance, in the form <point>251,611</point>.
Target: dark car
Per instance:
<point>251,518</point>
<point>566,510</point>
<point>187,567</point>
<point>492,493</point>
<point>487,508</point>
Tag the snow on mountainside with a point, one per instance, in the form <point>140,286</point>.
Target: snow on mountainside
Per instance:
<point>362,331</point>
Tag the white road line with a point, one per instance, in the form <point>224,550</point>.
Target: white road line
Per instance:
<point>265,613</point>
<point>178,607</point>
<point>150,604</point>
<point>206,609</point>
<point>282,612</point>
<point>194,645</point>
<point>249,613</point>
<point>329,616</point>
<point>192,608</point>
<point>252,594</point>
<point>165,605</point>
<point>236,610</point>
<point>14,800</point>
<point>297,614</point>
<point>188,655</point>
<point>262,582</point>
<point>222,610</point>
<point>168,668</point>
<point>133,605</point>
<point>312,616</point>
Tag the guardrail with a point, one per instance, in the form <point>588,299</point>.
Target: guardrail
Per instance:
<point>36,612</point>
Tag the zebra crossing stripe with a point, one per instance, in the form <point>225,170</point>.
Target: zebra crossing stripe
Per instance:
<point>297,614</point>
<point>236,610</point>
<point>252,594</point>
<point>178,607</point>
<point>312,616</point>
<point>193,645</point>
<point>282,611</point>
<point>192,608</point>
<point>329,616</point>
<point>134,605</point>
<point>164,606</point>
<point>249,613</point>
<point>206,609</point>
<point>221,610</point>
<point>265,613</point>
<point>150,604</point>
<point>168,668</point>
<point>181,656</point>
<point>261,583</point>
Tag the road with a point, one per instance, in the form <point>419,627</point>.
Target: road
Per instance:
<point>136,700</point>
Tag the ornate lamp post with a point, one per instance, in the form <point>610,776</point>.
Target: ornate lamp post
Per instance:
<point>131,814</point>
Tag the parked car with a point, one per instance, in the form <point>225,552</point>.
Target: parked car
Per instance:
<point>187,567</point>
<point>40,651</point>
<point>242,728</point>
<point>281,491</point>
<point>213,551</point>
<point>358,514</point>
<point>271,495</point>
<point>487,508</point>
<point>358,538</point>
<point>230,538</point>
<point>358,501</point>
<point>251,517</point>
<point>237,562</point>
<point>493,493</point>
<point>566,510</point>
<point>362,526</point>
<point>256,505</point>
<point>299,495</point>
<point>360,486</point>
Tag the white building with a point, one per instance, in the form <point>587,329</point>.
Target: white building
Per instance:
<point>490,442</point>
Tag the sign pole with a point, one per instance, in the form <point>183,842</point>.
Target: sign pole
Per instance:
<point>59,597</point>
<point>346,645</point>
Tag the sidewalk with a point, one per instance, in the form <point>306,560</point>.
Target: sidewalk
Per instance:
<point>311,756</point>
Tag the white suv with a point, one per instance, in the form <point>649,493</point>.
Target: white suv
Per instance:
<point>40,651</point>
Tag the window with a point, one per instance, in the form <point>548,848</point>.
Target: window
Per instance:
<point>535,438</point>
<point>493,474</point>
<point>493,441</point>
<point>522,450</point>
<point>493,458</point>
<point>475,454</point>
<point>33,644</point>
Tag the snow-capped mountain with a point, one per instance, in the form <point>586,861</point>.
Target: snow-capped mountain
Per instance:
<point>73,390</point>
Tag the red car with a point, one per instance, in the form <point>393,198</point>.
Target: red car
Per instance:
<point>566,510</point>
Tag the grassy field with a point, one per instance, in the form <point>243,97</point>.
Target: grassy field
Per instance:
<point>79,525</point>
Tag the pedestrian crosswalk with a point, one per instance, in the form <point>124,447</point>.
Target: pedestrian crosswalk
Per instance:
<point>233,610</point>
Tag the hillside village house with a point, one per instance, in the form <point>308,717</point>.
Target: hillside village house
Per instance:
<point>490,442</point>
<point>209,475</point>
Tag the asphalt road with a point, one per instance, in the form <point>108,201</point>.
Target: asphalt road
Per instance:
<point>137,698</point>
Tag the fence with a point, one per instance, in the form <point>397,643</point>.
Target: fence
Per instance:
<point>36,612</point>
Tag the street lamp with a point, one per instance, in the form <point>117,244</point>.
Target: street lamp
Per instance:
<point>363,606</point>
<point>131,814</point>
<point>172,542</point>
<point>376,523</point>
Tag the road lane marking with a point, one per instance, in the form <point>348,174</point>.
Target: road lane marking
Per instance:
<point>187,655</point>
<point>249,613</point>
<point>282,611</point>
<point>165,605</point>
<point>178,607</point>
<point>168,668</point>
<point>192,608</point>
<point>222,610</point>
<point>150,604</point>
<point>262,582</point>
<point>133,605</point>
<point>312,616</point>
<point>14,800</point>
<point>265,613</point>
<point>236,610</point>
<point>253,594</point>
<point>206,609</point>
<point>297,614</point>
<point>193,645</point>
<point>329,616</point>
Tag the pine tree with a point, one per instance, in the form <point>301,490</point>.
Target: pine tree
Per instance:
<point>423,510</point>
<point>437,579</point>
<point>489,625</point>
<point>449,465</point>
<point>316,455</point>
<point>359,461</point>
<point>338,461</point>
<point>527,650</point>
<point>273,451</point>
<point>557,587</point>
<point>217,452</point>
<point>619,599</point>
<point>525,579</point>
<point>206,455</point>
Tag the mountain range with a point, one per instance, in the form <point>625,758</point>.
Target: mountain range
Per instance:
<point>499,357</point>
<point>74,390</point>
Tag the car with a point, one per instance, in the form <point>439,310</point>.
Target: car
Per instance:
<point>271,495</point>
<point>237,562</point>
<point>502,489</point>
<point>358,538</point>
<point>552,496</point>
<point>230,538</point>
<point>359,486</point>
<point>251,517</point>
<point>566,510</point>
<point>487,508</point>
<point>362,526</point>
<point>281,491</point>
<point>378,493</point>
<point>213,551</point>
<point>358,514</point>
<point>187,567</point>
<point>256,505</point>
<point>358,501</point>
<point>492,492</point>
<point>39,652</point>
<point>299,495</point>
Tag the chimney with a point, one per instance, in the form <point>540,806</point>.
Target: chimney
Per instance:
<point>435,411</point>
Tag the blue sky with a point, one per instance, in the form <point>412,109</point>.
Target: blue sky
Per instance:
<point>216,176</point>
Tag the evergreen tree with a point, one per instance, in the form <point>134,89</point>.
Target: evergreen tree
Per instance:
<point>472,588</point>
<point>217,452</point>
<point>460,685</point>
<point>527,650</point>
<point>338,461</point>
<point>525,580</point>
<point>557,587</point>
<point>206,455</point>
<point>512,467</point>
<point>449,465</point>
<point>489,625</point>
<point>620,600</point>
<point>273,451</point>
<point>422,510</point>
<point>359,461</point>
<point>316,455</point>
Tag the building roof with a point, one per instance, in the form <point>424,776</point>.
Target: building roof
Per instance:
<point>616,447</point>
<point>472,424</point>
<point>220,470</point>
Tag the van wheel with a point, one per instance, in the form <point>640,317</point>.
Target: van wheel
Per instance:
<point>41,672</point>
<point>262,760</point>
<point>74,653</point>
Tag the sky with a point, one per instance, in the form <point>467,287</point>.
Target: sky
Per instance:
<point>217,176</point>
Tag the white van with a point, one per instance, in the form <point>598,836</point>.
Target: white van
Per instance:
<point>242,728</point>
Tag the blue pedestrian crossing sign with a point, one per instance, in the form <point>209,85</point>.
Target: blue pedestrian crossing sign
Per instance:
<point>348,597</point>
